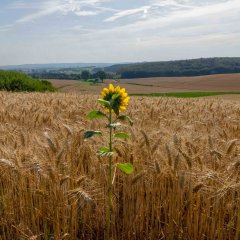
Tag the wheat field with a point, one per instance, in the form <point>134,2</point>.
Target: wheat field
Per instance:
<point>186,183</point>
<point>208,83</point>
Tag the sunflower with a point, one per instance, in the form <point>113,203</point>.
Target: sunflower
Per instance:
<point>117,96</point>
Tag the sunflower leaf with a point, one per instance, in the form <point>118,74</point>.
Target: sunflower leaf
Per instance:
<point>114,125</point>
<point>126,168</point>
<point>95,114</point>
<point>121,135</point>
<point>104,149</point>
<point>104,152</point>
<point>89,134</point>
<point>126,118</point>
<point>104,103</point>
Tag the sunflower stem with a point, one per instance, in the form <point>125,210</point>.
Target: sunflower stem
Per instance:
<point>109,185</point>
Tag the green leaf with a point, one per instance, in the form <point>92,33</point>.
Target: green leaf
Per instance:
<point>126,118</point>
<point>121,135</point>
<point>114,96</point>
<point>104,103</point>
<point>104,152</point>
<point>114,125</point>
<point>89,134</point>
<point>104,149</point>
<point>95,114</point>
<point>126,168</point>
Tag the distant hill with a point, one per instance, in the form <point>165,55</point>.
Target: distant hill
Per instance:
<point>193,67</point>
<point>54,66</point>
<point>179,68</point>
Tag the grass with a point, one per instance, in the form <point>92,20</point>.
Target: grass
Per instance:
<point>185,184</point>
<point>87,83</point>
<point>184,94</point>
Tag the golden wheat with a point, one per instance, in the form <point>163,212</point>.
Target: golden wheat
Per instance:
<point>186,155</point>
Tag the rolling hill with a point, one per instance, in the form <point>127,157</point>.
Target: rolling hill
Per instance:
<point>212,83</point>
<point>179,68</point>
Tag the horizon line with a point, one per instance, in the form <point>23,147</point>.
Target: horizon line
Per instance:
<point>113,63</point>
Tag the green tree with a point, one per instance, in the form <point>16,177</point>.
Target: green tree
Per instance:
<point>101,75</point>
<point>85,75</point>
<point>16,81</point>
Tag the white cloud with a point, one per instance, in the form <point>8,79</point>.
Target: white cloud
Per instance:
<point>64,7</point>
<point>165,3</point>
<point>202,24</point>
<point>86,13</point>
<point>6,27</point>
<point>128,12</point>
<point>39,14</point>
<point>158,20</point>
<point>149,30</point>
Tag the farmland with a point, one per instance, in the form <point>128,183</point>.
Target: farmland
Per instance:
<point>186,154</point>
<point>212,83</point>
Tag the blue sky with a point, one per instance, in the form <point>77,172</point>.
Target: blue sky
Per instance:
<point>56,31</point>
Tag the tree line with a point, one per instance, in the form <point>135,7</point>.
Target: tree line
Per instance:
<point>194,67</point>
<point>85,75</point>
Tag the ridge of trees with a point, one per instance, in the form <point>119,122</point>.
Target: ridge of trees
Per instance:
<point>192,67</point>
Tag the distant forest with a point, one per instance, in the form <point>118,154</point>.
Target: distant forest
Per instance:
<point>68,73</point>
<point>194,67</point>
<point>179,68</point>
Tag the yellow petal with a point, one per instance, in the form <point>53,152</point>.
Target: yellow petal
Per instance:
<point>122,108</point>
<point>123,90</point>
<point>117,89</point>
<point>111,88</point>
<point>124,95</point>
<point>127,99</point>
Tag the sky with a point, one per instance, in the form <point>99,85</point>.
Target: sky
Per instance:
<point>111,31</point>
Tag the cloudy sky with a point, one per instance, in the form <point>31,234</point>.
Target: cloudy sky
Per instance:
<point>56,31</point>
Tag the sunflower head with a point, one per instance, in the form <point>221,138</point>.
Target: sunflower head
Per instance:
<point>117,97</point>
